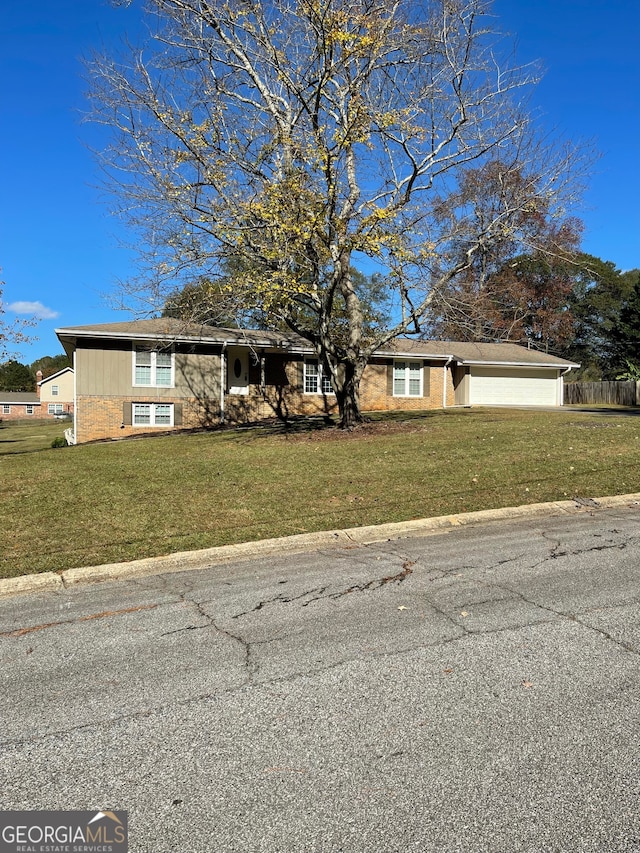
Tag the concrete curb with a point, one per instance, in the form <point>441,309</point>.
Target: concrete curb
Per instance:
<point>190,560</point>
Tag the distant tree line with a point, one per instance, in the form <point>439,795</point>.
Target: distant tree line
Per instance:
<point>15,376</point>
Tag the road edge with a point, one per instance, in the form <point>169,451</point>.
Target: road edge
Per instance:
<point>359,536</point>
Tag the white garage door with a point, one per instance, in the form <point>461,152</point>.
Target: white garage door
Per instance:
<point>494,386</point>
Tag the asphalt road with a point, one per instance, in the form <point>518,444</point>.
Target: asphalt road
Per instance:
<point>471,690</point>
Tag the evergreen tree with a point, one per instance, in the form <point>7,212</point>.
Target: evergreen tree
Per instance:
<point>15,376</point>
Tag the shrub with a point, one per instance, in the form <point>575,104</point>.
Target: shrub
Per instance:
<point>59,441</point>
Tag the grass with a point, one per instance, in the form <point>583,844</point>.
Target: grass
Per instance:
<point>129,499</point>
<point>28,435</point>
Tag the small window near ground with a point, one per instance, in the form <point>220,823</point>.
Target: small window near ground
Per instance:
<point>54,408</point>
<point>6,410</point>
<point>315,379</point>
<point>152,414</point>
<point>407,379</point>
<point>29,410</point>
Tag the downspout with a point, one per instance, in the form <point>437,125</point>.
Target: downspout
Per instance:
<point>444,381</point>
<point>563,373</point>
<point>73,438</point>
<point>223,374</point>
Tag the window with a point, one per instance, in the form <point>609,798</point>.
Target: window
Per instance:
<point>152,414</point>
<point>407,379</point>
<point>55,390</point>
<point>29,410</point>
<point>152,367</point>
<point>6,410</point>
<point>54,408</point>
<point>315,380</point>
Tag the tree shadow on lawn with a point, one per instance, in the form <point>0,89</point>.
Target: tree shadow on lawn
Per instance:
<point>320,427</point>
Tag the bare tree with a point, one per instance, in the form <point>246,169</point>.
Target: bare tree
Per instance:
<point>517,286</point>
<point>303,137</point>
<point>12,334</point>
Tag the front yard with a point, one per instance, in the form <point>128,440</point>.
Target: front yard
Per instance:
<point>124,500</point>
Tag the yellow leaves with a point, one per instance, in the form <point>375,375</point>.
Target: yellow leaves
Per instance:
<point>181,156</point>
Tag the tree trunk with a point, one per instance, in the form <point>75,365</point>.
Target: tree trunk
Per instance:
<point>348,397</point>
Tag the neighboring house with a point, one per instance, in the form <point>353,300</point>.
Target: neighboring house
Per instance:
<point>17,405</point>
<point>151,375</point>
<point>53,399</point>
<point>56,393</point>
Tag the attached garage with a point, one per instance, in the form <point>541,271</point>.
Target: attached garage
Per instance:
<point>521,386</point>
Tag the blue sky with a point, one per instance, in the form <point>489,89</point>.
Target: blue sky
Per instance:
<point>60,249</point>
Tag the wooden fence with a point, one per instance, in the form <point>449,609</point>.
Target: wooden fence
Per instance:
<point>603,393</point>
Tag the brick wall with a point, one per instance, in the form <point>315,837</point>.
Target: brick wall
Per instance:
<point>18,412</point>
<point>374,395</point>
<point>101,418</point>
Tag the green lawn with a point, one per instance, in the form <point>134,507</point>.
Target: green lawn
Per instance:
<point>123,500</point>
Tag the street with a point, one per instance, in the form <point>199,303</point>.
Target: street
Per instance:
<point>472,690</point>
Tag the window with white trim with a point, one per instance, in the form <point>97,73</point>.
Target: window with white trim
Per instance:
<point>315,379</point>
<point>152,367</point>
<point>54,408</point>
<point>152,414</point>
<point>6,410</point>
<point>407,378</point>
<point>29,410</point>
<point>55,390</point>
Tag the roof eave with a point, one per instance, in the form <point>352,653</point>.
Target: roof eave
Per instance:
<point>558,365</point>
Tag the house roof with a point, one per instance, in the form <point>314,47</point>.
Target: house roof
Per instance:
<point>469,353</point>
<point>19,397</point>
<point>56,375</point>
<point>171,329</point>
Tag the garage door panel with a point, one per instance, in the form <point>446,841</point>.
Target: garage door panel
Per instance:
<point>501,387</point>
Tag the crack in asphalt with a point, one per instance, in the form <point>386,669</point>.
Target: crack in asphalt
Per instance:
<point>570,617</point>
<point>250,666</point>
<point>104,614</point>
<point>374,584</point>
<point>556,553</point>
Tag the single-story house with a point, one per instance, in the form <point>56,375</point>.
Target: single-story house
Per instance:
<point>16,405</point>
<point>162,374</point>
<point>53,398</point>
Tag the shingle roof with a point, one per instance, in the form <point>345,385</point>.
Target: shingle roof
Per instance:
<point>463,352</point>
<point>18,397</point>
<point>468,352</point>
<point>173,329</point>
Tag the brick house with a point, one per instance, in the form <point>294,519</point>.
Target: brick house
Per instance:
<point>18,405</point>
<point>145,376</point>
<point>53,398</point>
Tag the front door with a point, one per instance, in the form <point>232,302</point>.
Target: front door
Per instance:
<point>238,370</point>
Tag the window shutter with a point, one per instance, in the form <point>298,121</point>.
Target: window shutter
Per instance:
<point>254,370</point>
<point>275,371</point>
<point>126,413</point>
<point>426,381</point>
<point>177,414</point>
<point>390,379</point>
